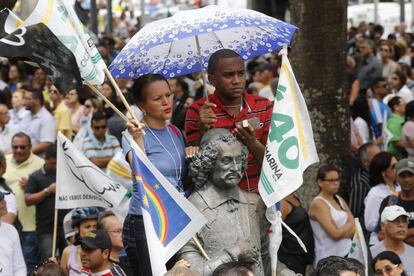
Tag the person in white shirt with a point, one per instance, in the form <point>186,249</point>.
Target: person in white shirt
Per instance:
<point>40,125</point>
<point>6,130</point>
<point>394,223</point>
<point>11,256</point>
<point>18,112</point>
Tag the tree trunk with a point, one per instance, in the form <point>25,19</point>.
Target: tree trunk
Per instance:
<point>318,61</point>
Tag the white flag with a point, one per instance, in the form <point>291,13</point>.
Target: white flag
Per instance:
<point>359,249</point>
<point>80,183</point>
<point>62,20</point>
<point>290,147</point>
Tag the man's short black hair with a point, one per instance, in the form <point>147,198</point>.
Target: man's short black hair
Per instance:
<point>220,54</point>
<point>51,151</point>
<point>37,94</point>
<point>238,268</point>
<point>98,116</point>
<point>22,135</point>
<point>334,265</point>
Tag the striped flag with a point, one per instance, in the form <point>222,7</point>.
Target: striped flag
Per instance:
<point>290,147</point>
<point>170,220</point>
<point>62,20</point>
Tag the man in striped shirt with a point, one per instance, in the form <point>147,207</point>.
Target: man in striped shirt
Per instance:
<point>227,108</point>
<point>100,147</point>
<point>359,184</point>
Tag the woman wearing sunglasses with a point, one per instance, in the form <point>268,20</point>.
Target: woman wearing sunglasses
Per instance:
<point>331,220</point>
<point>383,182</point>
<point>388,263</point>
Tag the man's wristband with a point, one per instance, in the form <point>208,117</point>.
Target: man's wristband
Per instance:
<point>46,190</point>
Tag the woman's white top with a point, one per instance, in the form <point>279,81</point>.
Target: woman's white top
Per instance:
<point>325,246</point>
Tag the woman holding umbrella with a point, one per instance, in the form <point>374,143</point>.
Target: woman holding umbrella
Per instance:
<point>165,147</point>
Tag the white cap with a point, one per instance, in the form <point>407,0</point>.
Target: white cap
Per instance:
<point>390,213</point>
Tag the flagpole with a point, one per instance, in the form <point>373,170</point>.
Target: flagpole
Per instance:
<point>120,94</point>
<point>94,89</point>
<point>200,247</point>
<point>54,233</point>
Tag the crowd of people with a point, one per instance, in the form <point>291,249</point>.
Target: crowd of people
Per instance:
<point>201,146</point>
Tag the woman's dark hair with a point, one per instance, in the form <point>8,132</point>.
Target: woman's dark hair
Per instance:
<point>360,108</point>
<point>324,169</point>
<point>409,111</point>
<point>390,256</point>
<point>401,76</point>
<point>379,164</point>
<point>138,89</point>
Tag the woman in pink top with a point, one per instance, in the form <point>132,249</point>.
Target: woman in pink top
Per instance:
<point>408,129</point>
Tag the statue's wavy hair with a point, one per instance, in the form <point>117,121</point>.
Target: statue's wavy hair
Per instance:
<point>203,161</point>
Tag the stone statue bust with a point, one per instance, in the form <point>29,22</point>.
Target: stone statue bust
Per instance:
<point>232,231</point>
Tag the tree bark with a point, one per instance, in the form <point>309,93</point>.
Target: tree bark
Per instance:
<point>318,61</point>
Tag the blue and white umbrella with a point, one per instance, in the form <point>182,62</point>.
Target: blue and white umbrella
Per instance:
<point>176,46</point>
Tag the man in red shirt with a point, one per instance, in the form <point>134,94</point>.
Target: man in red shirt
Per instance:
<point>227,108</point>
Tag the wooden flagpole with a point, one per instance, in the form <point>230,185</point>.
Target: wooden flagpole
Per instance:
<point>96,91</point>
<point>54,232</point>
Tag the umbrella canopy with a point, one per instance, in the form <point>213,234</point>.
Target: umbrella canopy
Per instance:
<point>177,45</point>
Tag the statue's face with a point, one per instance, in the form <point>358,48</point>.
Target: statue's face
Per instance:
<point>227,171</point>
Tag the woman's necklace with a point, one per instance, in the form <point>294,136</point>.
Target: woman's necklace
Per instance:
<point>177,173</point>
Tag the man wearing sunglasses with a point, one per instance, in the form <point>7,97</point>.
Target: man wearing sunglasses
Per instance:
<point>394,223</point>
<point>100,147</point>
<point>20,165</point>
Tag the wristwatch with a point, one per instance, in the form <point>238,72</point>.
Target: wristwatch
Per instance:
<point>46,190</point>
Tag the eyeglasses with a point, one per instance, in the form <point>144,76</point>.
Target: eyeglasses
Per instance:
<point>387,269</point>
<point>88,106</point>
<point>394,78</point>
<point>53,91</point>
<point>38,267</point>
<point>117,232</point>
<point>20,147</point>
<point>384,50</point>
<point>331,180</point>
<point>99,127</point>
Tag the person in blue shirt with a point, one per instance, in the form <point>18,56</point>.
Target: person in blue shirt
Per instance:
<point>377,108</point>
<point>164,146</point>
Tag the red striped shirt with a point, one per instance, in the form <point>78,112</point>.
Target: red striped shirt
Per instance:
<point>254,106</point>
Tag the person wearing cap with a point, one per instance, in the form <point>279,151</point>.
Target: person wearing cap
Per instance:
<point>84,220</point>
<point>394,223</point>
<point>95,255</point>
<point>11,256</point>
<point>405,198</point>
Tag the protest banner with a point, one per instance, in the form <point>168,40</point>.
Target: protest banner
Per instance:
<point>290,149</point>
